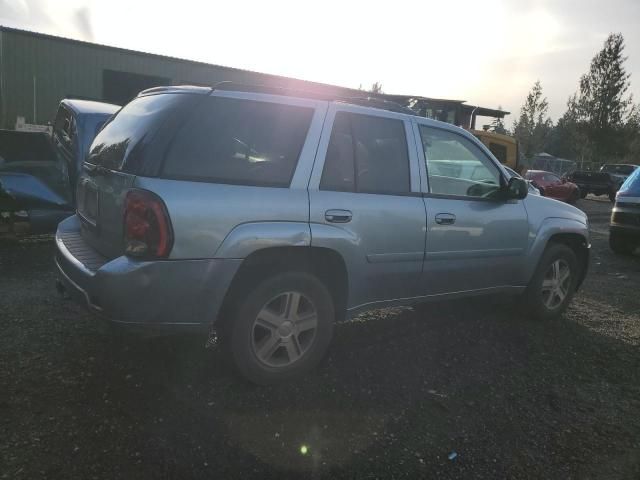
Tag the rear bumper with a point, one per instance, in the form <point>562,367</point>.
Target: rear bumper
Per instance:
<point>179,293</point>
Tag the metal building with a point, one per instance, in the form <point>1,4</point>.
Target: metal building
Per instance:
<point>37,71</point>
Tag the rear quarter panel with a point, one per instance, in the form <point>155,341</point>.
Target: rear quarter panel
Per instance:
<point>232,221</point>
<point>203,215</point>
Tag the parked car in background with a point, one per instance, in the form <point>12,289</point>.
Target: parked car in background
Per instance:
<point>624,228</point>
<point>603,182</point>
<point>38,171</point>
<point>271,214</point>
<point>618,171</point>
<point>532,189</point>
<point>552,186</point>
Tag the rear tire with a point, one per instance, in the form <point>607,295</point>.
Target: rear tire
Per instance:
<point>621,244</point>
<point>281,328</point>
<point>553,284</point>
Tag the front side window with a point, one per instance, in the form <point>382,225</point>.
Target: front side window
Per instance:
<point>366,154</point>
<point>239,142</point>
<point>455,166</point>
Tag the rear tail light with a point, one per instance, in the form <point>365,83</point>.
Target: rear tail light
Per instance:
<point>147,227</point>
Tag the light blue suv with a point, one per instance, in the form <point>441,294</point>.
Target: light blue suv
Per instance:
<point>271,214</point>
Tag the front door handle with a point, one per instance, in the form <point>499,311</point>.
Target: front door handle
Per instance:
<point>338,216</point>
<point>445,219</point>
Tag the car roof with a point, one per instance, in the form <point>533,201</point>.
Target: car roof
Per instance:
<point>90,106</point>
<point>366,101</point>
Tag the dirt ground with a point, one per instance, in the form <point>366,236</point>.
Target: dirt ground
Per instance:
<point>469,390</point>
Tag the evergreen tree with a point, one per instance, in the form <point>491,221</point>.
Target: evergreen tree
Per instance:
<point>602,104</point>
<point>533,126</point>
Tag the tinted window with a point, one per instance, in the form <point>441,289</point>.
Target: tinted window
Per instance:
<point>64,128</point>
<point>239,142</point>
<point>366,154</point>
<point>456,166</point>
<point>124,137</point>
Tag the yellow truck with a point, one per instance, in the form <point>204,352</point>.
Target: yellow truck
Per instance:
<point>503,147</point>
<point>458,112</point>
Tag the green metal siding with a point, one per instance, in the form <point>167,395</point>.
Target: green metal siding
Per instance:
<point>63,67</point>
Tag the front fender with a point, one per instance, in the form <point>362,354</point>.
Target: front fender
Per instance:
<point>549,227</point>
<point>247,238</point>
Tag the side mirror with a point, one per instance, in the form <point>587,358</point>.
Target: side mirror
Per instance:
<point>517,188</point>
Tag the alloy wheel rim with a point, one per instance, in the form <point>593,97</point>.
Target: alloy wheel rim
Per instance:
<point>556,284</point>
<point>284,329</point>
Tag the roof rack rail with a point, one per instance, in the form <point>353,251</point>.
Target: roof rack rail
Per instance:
<point>365,100</point>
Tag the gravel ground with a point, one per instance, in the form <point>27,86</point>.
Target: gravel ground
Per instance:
<point>399,396</point>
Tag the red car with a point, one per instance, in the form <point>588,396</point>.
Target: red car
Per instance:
<point>552,186</point>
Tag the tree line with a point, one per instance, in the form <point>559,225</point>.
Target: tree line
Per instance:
<point>601,123</point>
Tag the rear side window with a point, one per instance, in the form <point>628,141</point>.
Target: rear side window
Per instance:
<point>64,128</point>
<point>239,142</point>
<point>124,138</point>
<point>366,154</point>
<point>631,186</point>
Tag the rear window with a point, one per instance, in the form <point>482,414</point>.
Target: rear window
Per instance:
<point>631,186</point>
<point>499,151</point>
<point>239,142</point>
<point>121,142</point>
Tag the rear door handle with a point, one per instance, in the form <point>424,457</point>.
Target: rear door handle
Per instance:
<point>338,216</point>
<point>445,219</point>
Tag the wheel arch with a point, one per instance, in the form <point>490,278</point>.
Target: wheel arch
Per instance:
<point>328,265</point>
<point>564,231</point>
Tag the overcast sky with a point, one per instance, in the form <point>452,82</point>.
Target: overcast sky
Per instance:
<point>487,52</point>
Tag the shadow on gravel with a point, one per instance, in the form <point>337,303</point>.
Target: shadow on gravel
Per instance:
<point>399,392</point>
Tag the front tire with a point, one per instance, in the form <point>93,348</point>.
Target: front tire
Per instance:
<point>282,328</point>
<point>621,244</point>
<point>553,284</point>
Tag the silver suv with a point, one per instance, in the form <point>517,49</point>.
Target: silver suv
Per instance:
<point>272,214</point>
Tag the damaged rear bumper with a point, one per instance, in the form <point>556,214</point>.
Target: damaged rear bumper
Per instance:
<point>163,293</point>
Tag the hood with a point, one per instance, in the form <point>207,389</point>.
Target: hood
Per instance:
<point>545,207</point>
